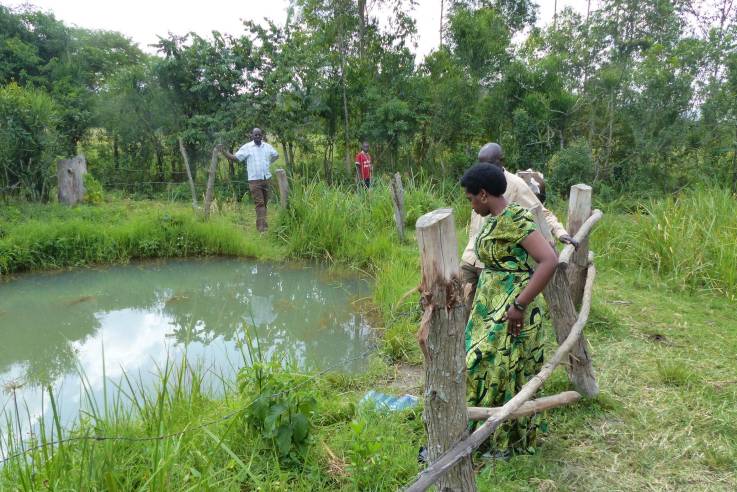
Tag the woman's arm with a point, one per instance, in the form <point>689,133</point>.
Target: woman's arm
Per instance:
<point>547,261</point>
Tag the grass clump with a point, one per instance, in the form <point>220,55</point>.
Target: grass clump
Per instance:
<point>688,241</point>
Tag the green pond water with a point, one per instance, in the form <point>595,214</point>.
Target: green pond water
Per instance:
<point>54,327</point>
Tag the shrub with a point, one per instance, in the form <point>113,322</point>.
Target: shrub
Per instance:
<point>570,166</point>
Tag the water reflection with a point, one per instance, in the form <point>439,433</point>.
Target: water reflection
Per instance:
<point>54,325</point>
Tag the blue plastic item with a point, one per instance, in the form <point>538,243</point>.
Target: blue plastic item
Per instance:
<point>388,402</point>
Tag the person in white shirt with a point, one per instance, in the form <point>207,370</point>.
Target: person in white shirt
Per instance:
<point>258,156</point>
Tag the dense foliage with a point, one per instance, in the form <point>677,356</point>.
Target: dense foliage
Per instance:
<point>634,95</point>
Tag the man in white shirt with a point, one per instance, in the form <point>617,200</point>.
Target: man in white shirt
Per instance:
<point>258,156</point>
<point>517,191</point>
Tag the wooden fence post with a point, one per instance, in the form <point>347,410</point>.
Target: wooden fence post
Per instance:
<point>211,180</point>
<point>398,201</point>
<point>444,322</point>
<point>185,157</point>
<point>70,179</point>
<point>563,314</point>
<point>281,178</point>
<point>579,209</point>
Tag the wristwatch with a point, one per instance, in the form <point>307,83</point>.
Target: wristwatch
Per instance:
<point>519,306</point>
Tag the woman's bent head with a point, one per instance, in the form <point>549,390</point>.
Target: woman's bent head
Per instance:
<point>481,182</point>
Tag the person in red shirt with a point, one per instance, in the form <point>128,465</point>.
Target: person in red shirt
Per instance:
<point>363,165</point>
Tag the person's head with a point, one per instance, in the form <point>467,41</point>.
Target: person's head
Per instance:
<point>483,183</point>
<point>365,146</point>
<point>492,153</point>
<point>257,135</point>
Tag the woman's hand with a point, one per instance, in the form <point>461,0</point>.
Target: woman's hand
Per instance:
<point>515,321</point>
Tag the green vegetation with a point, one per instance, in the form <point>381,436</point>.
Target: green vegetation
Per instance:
<point>636,96</point>
<point>662,351</point>
<point>36,237</point>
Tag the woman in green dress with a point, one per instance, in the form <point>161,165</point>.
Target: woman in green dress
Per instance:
<point>504,335</point>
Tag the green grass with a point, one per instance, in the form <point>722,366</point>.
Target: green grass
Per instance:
<point>662,331</point>
<point>43,237</point>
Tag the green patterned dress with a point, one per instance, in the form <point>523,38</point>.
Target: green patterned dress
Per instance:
<point>498,364</point>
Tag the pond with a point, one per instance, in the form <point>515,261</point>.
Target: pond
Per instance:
<point>95,326</point>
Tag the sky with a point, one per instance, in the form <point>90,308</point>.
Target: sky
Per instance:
<point>143,20</point>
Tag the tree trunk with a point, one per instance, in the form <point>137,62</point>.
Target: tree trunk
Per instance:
<point>116,152</point>
<point>444,322</point>
<point>185,158</point>
<point>70,178</point>
<point>212,172</point>
<point>159,160</point>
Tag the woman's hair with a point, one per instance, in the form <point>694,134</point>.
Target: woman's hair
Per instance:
<point>484,176</point>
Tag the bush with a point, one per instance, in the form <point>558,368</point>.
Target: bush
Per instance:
<point>92,190</point>
<point>568,167</point>
<point>28,141</point>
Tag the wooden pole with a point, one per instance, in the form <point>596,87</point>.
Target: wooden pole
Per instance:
<point>398,201</point>
<point>564,259</point>
<point>579,209</point>
<point>526,409</point>
<point>283,182</point>
<point>211,180</point>
<point>563,314</point>
<point>463,449</point>
<point>70,179</point>
<point>444,322</point>
<point>185,157</point>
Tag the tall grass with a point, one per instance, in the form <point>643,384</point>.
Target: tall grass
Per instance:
<point>57,237</point>
<point>207,444</point>
<point>349,226</point>
<point>688,241</point>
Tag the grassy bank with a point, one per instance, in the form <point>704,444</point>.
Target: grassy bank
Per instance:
<point>663,349</point>
<point>42,237</point>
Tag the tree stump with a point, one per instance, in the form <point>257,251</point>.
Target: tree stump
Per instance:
<point>563,314</point>
<point>445,413</point>
<point>398,201</point>
<point>579,209</point>
<point>283,182</point>
<point>70,178</point>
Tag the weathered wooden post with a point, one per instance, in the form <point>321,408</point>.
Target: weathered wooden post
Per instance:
<point>444,323</point>
<point>398,201</point>
<point>70,179</point>
<point>579,209</point>
<point>563,313</point>
<point>281,178</point>
<point>185,157</point>
<point>211,173</point>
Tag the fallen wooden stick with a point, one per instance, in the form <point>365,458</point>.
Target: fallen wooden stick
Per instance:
<point>529,408</point>
<point>565,255</point>
<point>465,447</point>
